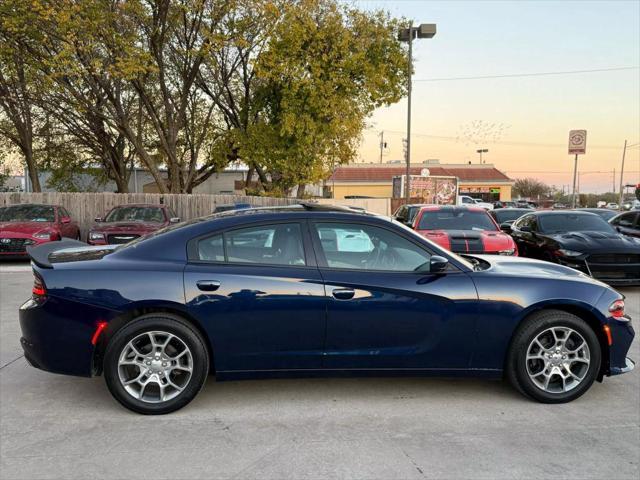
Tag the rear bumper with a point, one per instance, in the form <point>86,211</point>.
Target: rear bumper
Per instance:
<point>54,341</point>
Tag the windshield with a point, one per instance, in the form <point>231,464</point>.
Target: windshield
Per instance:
<point>27,213</point>
<point>508,214</point>
<point>456,220</point>
<point>573,222</point>
<point>135,214</point>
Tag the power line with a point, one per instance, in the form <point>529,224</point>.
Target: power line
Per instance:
<point>509,143</point>
<point>531,74</point>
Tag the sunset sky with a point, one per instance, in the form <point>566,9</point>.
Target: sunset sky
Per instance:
<point>531,116</point>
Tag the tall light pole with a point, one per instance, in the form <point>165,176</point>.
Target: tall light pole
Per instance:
<point>481,151</point>
<point>425,30</point>
<point>624,152</point>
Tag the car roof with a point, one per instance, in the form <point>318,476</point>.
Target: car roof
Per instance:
<point>498,210</point>
<point>158,205</point>
<point>30,205</point>
<point>562,212</point>
<point>451,208</point>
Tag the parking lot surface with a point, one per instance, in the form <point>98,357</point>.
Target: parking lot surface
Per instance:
<point>64,427</point>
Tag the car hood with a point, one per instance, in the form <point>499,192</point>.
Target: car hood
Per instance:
<point>506,265</point>
<point>597,242</point>
<point>140,228</point>
<point>470,240</point>
<point>28,228</point>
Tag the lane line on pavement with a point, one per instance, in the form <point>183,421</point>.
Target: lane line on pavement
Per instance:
<point>14,268</point>
<point>12,361</point>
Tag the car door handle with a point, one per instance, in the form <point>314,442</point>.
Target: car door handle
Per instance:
<point>208,285</point>
<point>343,293</point>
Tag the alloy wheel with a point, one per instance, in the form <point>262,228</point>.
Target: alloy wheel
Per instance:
<point>558,359</point>
<point>155,366</point>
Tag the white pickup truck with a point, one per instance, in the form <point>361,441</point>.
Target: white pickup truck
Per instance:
<point>466,200</point>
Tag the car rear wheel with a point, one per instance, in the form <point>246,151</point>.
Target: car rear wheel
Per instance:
<point>554,357</point>
<point>156,364</point>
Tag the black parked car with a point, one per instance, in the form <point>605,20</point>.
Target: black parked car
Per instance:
<point>506,216</point>
<point>580,240</point>
<point>627,223</point>
<point>407,213</point>
<point>603,212</point>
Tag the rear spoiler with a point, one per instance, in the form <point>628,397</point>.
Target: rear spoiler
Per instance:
<point>40,253</point>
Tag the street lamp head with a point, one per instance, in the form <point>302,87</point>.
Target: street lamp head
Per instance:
<point>426,30</point>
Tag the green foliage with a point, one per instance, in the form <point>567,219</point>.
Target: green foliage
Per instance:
<point>192,85</point>
<point>531,188</point>
<point>324,70</point>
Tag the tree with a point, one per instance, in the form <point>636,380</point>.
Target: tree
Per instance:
<point>530,188</point>
<point>17,91</point>
<point>297,91</point>
<point>192,85</point>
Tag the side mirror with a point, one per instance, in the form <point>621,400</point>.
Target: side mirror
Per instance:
<point>65,220</point>
<point>505,227</point>
<point>525,228</point>
<point>438,264</point>
<point>174,220</point>
<point>97,219</point>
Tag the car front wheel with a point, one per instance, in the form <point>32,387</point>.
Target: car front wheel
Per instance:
<point>554,357</point>
<point>156,364</point>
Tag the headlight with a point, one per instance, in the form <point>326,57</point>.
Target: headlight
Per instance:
<point>569,253</point>
<point>507,252</point>
<point>96,236</point>
<point>42,235</point>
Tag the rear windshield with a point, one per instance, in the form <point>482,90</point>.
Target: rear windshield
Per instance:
<point>606,214</point>
<point>508,214</point>
<point>573,222</point>
<point>455,220</point>
<point>27,213</point>
<point>135,214</point>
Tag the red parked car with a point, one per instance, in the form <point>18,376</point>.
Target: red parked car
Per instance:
<point>128,222</point>
<point>32,224</point>
<point>463,230</point>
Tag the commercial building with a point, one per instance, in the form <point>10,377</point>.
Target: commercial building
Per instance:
<point>375,180</point>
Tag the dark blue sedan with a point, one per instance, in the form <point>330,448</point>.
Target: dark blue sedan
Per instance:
<point>312,290</point>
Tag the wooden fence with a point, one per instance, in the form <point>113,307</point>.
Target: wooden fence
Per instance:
<point>85,207</point>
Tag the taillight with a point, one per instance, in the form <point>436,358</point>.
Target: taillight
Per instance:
<point>617,309</point>
<point>39,290</point>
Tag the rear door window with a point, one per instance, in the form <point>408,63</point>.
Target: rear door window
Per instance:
<point>280,244</point>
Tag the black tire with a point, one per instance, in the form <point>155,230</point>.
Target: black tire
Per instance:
<point>174,325</point>
<point>534,325</point>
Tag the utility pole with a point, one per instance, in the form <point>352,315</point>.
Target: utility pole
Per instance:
<point>481,151</point>
<point>425,30</point>
<point>407,192</point>
<point>575,174</point>
<point>382,144</point>
<point>624,152</point>
<point>614,180</point>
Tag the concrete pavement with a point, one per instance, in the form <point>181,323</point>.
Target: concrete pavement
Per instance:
<point>64,427</point>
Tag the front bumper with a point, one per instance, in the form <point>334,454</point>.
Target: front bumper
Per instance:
<point>629,365</point>
<point>622,333</point>
<point>616,274</point>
